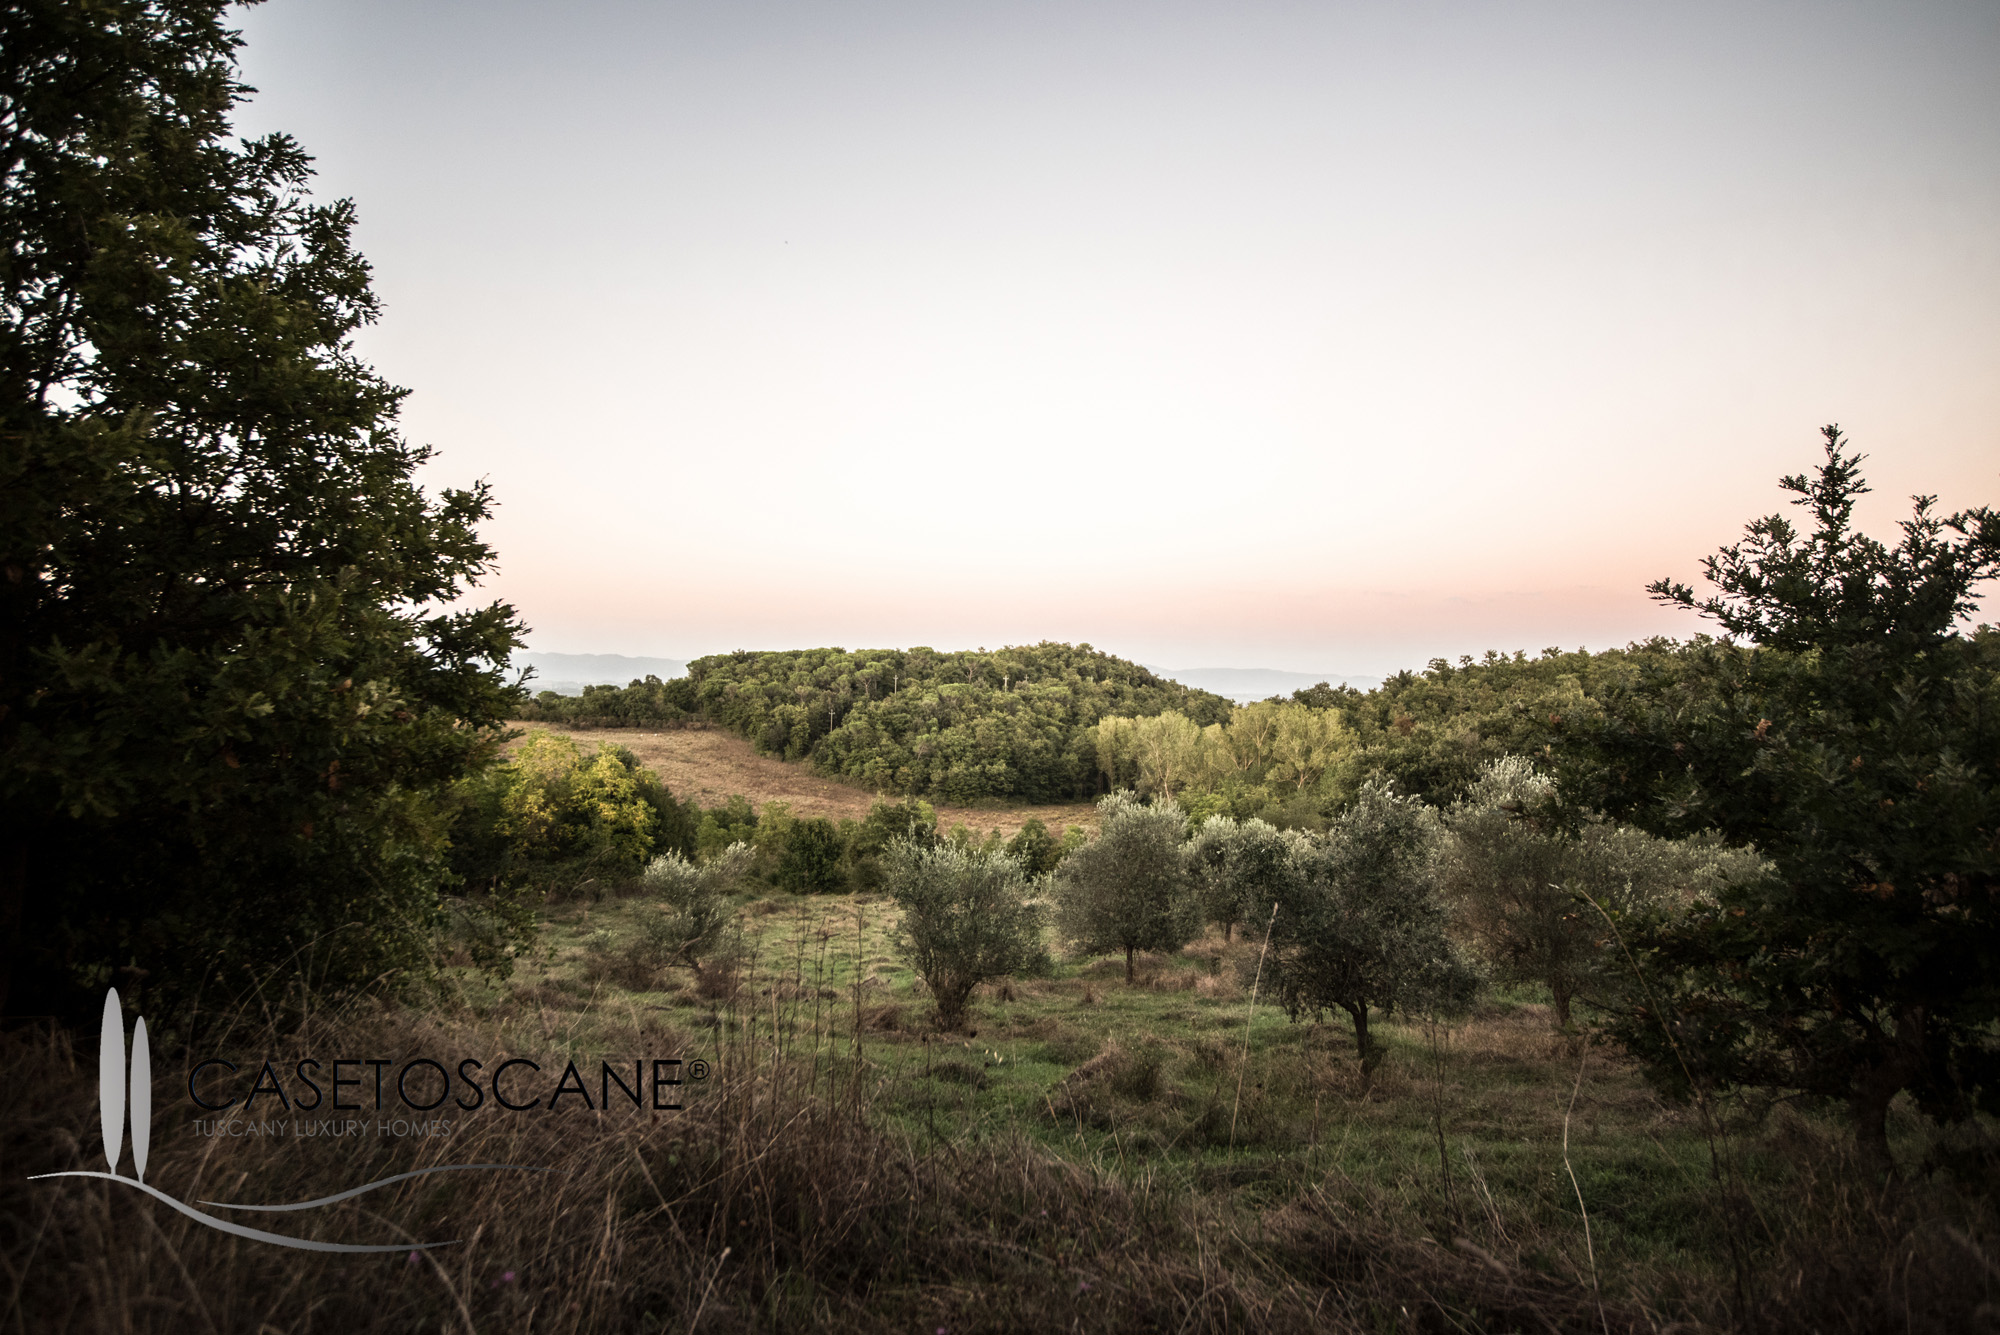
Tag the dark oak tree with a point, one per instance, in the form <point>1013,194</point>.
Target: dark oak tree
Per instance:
<point>233,689</point>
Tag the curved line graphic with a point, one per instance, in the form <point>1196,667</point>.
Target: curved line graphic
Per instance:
<point>356,1191</point>
<point>256,1234</point>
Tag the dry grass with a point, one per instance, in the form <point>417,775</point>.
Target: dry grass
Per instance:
<point>711,765</point>
<point>774,1202</point>
<point>1073,1166</point>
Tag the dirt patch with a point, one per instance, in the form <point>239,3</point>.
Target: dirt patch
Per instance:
<point>710,765</point>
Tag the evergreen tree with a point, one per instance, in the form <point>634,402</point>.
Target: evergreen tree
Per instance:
<point>810,864</point>
<point>1854,743</point>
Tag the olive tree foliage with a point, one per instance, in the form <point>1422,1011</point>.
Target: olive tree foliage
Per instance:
<point>234,690</point>
<point>1540,899</point>
<point>694,915</point>
<point>1128,889</point>
<point>1235,864</point>
<point>1361,924</point>
<point>967,918</point>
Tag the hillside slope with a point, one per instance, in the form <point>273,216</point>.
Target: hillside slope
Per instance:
<point>711,766</point>
<point>951,727</point>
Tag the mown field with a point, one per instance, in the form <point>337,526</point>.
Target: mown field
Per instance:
<point>712,765</point>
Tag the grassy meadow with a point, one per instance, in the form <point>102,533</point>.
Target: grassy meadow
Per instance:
<point>1087,1154</point>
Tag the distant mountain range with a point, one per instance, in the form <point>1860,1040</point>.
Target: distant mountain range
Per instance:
<point>1245,685</point>
<point>568,674</point>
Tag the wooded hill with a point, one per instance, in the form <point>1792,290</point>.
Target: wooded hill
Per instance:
<point>952,726</point>
<point>1020,723</point>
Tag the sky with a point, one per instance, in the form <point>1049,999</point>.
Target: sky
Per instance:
<point>1323,337</point>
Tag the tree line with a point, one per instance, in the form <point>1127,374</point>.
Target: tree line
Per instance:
<point>1055,722</point>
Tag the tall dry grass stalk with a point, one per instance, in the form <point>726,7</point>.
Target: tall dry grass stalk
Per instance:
<point>1249,1018</point>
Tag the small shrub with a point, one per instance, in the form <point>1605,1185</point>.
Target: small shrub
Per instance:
<point>694,918</point>
<point>966,920</point>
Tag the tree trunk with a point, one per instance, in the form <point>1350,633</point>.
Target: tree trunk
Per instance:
<point>1128,964</point>
<point>1371,1056</point>
<point>1560,994</point>
<point>1226,929</point>
<point>1875,1087</point>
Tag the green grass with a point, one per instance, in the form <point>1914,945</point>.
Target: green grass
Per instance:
<point>1174,1082</point>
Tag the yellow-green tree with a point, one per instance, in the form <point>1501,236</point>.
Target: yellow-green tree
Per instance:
<point>1306,744</point>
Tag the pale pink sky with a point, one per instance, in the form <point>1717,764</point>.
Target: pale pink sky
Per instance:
<point>1325,337</point>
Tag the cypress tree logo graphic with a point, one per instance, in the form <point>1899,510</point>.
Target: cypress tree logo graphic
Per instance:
<point>116,1095</point>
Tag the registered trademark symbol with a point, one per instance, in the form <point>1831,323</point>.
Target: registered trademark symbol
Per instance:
<point>697,1069</point>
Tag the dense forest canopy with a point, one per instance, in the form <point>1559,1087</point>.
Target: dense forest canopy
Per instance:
<point>950,726</point>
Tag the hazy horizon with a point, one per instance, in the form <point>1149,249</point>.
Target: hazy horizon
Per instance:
<point>569,673</point>
<point>1262,335</point>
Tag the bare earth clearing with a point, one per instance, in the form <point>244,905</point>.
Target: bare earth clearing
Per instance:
<point>710,765</point>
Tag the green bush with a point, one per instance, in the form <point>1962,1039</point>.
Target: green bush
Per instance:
<point>562,823</point>
<point>811,863</point>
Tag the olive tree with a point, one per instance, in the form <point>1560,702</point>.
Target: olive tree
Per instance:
<point>1234,864</point>
<point>967,918</point>
<point>1361,923</point>
<point>1128,889</point>
<point>1535,894</point>
<point>694,914</point>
